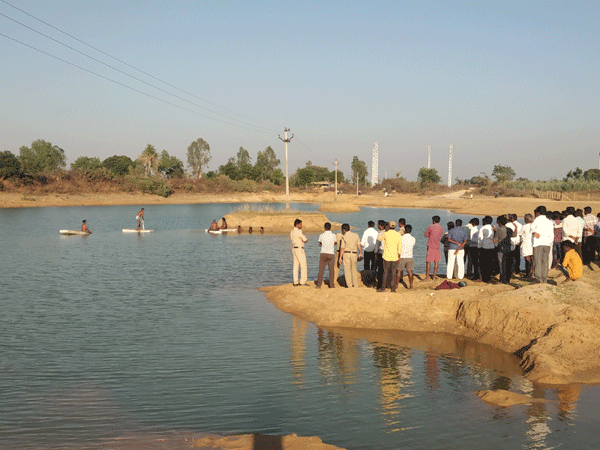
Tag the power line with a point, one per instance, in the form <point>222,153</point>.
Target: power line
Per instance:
<point>128,75</point>
<point>129,87</point>
<point>127,64</point>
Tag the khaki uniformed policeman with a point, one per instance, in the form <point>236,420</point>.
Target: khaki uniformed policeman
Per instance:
<point>350,245</point>
<point>338,243</point>
<point>298,240</point>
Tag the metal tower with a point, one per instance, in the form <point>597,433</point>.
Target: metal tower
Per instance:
<point>450,167</point>
<point>375,166</point>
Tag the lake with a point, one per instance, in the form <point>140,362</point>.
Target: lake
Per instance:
<point>114,333</point>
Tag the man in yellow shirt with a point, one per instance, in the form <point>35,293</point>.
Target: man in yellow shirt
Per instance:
<point>572,266</point>
<point>392,245</point>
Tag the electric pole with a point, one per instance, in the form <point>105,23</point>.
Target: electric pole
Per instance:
<point>336,164</point>
<point>287,175</point>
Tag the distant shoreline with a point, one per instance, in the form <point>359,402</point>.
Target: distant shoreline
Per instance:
<point>477,206</point>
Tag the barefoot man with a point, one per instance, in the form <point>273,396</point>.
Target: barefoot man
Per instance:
<point>433,234</point>
<point>140,217</point>
<point>85,228</point>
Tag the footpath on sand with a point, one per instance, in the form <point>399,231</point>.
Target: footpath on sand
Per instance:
<point>553,328</point>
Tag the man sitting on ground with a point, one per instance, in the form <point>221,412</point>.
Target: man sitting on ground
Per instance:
<point>572,266</point>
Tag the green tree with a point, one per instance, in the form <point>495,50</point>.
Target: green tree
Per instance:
<point>266,163</point>
<point>278,177</point>
<point>245,170</point>
<point>503,173</point>
<point>10,166</point>
<point>304,176</point>
<point>428,176</point>
<point>149,159</point>
<point>359,168</point>
<point>577,173</point>
<point>481,180</point>
<point>170,166</point>
<point>86,164</point>
<point>42,157</point>
<point>230,169</point>
<point>119,165</point>
<point>198,156</point>
<point>592,175</point>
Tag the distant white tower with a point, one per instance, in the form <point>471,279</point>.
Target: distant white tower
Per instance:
<point>450,167</point>
<point>429,157</point>
<point>375,166</point>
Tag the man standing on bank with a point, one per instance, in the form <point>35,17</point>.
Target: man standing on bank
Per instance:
<point>392,249</point>
<point>368,241</point>
<point>298,240</point>
<point>327,258</point>
<point>350,243</point>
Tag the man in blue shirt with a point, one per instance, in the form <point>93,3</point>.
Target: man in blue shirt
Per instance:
<point>457,237</point>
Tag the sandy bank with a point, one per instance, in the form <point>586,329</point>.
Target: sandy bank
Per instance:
<point>279,222</point>
<point>553,329</point>
<point>504,398</point>
<point>477,206</point>
<point>339,207</point>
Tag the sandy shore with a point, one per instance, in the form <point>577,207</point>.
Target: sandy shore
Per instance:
<point>459,202</point>
<point>553,328</point>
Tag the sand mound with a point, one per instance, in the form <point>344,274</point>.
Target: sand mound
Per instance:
<point>553,329</point>
<point>278,222</point>
<point>504,398</point>
<point>257,441</point>
<point>339,207</point>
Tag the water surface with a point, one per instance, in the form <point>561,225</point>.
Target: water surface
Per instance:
<point>113,333</point>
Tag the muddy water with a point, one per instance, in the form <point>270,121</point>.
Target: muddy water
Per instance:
<point>115,335</point>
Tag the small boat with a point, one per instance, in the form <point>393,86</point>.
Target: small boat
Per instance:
<point>208,230</point>
<point>133,230</point>
<point>73,232</point>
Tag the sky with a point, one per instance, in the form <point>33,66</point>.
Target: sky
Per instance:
<point>506,82</point>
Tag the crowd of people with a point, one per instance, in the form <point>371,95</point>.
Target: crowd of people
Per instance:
<point>480,250</point>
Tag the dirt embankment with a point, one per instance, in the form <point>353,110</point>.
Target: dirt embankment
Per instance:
<point>278,222</point>
<point>553,329</point>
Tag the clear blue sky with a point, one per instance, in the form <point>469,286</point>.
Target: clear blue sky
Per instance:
<point>506,82</point>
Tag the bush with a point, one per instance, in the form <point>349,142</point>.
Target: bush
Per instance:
<point>151,185</point>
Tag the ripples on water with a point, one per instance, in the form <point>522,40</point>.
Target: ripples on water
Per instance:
<point>116,335</point>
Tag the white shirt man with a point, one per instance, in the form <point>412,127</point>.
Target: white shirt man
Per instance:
<point>571,229</point>
<point>369,245</point>
<point>327,242</point>
<point>542,229</point>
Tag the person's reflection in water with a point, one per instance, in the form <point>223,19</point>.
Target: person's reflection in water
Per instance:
<point>263,442</point>
<point>338,357</point>
<point>538,420</point>
<point>432,371</point>
<point>567,397</point>
<point>395,375</point>
<point>298,351</point>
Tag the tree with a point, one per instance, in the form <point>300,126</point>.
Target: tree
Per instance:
<point>10,166</point>
<point>359,168</point>
<point>592,175</point>
<point>230,169</point>
<point>577,173</point>
<point>42,157</point>
<point>266,163</point>
<point>170,166</point>
<point>149,159</point>
<point>428,176</point>
<point>304,176</point>
<point>198,156</point>
<point>86,164</point>
<point>119,165</point>
<point>503,173</point>
<point>245,170</point>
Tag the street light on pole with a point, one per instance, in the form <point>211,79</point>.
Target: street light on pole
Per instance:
<point>287,176</point>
